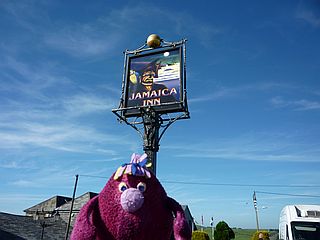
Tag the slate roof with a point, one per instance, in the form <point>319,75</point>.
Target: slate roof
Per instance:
<point>77,205</point>
<point>48,205</point>
<point>15,227</point>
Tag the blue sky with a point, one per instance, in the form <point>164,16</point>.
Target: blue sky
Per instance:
<point>253,70</point>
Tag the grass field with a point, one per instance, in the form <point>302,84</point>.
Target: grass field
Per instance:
<point>243,234</point>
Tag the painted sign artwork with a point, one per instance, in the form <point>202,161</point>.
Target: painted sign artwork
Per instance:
<point>154,79</point>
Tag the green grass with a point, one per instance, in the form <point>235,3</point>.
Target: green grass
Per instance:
<point>244,234</point>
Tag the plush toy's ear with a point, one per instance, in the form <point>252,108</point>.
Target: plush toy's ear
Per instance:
<point>181,228</point>
<point>83,228</point>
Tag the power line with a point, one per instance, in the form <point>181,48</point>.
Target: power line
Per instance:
<point>92,176</point>
<point>238,185</point>
<point>288,194</point>
<point>241,185</point>
<point>223,184</point>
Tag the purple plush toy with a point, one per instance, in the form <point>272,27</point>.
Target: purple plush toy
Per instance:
<point>132,206</point>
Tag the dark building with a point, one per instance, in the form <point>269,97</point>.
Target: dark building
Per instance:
<point>47,207</point>
<point>14,227</point>
<point>189,217</point>
<point>64,210</point>
<point>46,220</point>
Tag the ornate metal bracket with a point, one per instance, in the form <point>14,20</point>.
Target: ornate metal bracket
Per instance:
<point>148,122</point>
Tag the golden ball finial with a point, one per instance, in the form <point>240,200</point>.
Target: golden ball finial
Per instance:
<point>154,41</point>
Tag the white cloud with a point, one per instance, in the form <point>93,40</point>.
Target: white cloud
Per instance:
<point>220,93</point>
<point>31,80</point>
<point>11,165</point>
<point>79,39</point>
<point>82,40</point>
<point>39,108</point>
<point>223,92</point>
<point>20,197</point>
<point>26,14</point>
<point>22,183</point>
<point>306,105</point>
<point>105,34</point>
<point>308,16</point>
<point>62,137</point>
<point>33,86</point>
<point>298,105</point>
<point>251,147</point>
<point>85,104</point>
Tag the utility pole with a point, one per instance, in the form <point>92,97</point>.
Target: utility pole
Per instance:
<point>256,209</point>
<point>71,208</point>
<point>202,223</point>
<point>212,228</point>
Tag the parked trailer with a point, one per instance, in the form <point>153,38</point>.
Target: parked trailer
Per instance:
<point>300,222</point>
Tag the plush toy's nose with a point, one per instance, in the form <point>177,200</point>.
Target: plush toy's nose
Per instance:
<point>131,200</point>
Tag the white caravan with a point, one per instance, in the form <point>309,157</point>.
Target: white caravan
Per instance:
<point>300,222</point>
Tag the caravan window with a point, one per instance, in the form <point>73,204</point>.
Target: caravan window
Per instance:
<point>305,230</point>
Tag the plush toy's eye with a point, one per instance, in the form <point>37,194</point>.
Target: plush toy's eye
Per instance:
<point>122,187</point>
<point>142,187</point>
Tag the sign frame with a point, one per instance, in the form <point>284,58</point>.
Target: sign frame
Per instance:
<point>129,106</point>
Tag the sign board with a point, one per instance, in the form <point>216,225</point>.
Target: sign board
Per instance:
<point>154,79</point>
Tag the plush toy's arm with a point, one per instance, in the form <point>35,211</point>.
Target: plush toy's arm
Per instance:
<point>83,228</point>
<point>181,228</point>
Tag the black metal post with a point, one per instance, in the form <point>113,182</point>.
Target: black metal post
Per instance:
<point>43,226</point>
<point>152,123</point>
<point>71,208</point>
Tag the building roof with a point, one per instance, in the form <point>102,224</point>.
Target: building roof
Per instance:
<point>49,204</point>
<point>18,227</point>
<point>78,202</point>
